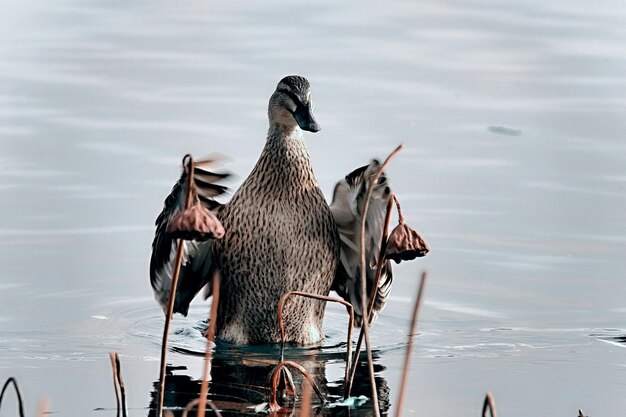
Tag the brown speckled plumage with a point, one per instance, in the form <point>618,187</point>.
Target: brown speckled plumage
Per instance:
<point>280,237</point>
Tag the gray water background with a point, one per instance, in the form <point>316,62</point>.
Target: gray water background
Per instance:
<point>514,119</point>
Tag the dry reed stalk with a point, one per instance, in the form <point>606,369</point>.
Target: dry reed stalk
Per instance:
<point>194,403</point>
<point>379,270</point>
<point>409,348</point>
<point>372,181</point>
<point>20,402</point>
<point>273,404</point>
<point>490,405</point>
<point>190,406</point>
<point>370,365</point>
<point>204,388</point>
<point>118,384</point>
<point>305,405</point>
<point>188,161</point>
<point>281,324</point>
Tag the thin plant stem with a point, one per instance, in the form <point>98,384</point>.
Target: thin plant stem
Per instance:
<point>400,215</point>
<point>118,384</point>
<point>188,160</point>
<point>20,402</point>
<point>372,181</point>
<point>370,365</point>
<point>122,386</point>
<point>409,347</point>
<point>166,327</point>
<point>193,403</point>
<point>490,405</point>
<point>379,269</point>
<point>305,405</point>
<point>276,375</point>
<point>281,323</point>
<point>204,388</point>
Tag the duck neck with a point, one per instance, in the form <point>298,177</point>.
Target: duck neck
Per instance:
<point>287,160</point>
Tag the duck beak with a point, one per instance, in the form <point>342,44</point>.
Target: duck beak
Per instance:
<point>305,120</point>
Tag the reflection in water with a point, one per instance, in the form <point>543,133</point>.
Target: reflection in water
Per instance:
<point>240,382</point>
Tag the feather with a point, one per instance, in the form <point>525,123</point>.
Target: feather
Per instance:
<point>197,266</point>
<point>347,209</point>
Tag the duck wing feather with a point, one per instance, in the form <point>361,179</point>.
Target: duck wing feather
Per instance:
<point>347,210</point>
<point>197,266</point>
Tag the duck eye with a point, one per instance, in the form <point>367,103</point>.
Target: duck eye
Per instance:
<point>296,100</point>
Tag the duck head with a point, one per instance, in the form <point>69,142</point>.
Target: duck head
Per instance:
<point>291,105</point>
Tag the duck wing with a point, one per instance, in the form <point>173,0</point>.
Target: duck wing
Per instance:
<point>197,266</point>
<point>347,210</point>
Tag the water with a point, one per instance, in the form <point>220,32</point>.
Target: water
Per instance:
<point>513,115</point>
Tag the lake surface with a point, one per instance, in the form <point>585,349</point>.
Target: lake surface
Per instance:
<point>514,119</point>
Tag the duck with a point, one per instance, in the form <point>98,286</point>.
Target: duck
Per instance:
<point>280,235</point>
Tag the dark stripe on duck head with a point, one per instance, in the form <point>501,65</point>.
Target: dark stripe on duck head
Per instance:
<point>296,100</point>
